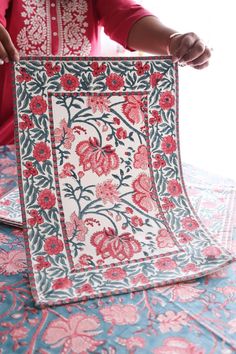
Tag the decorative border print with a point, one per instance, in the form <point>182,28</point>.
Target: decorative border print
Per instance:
<point>105,207</point>
<point>10,208</point>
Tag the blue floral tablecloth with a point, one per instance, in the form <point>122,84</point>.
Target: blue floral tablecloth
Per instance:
<point>197,317</point>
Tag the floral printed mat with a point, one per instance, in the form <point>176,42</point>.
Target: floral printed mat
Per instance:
<point>100,179</point>
<point>10,208</point>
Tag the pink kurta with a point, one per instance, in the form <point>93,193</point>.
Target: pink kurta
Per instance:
<point>59,27</point>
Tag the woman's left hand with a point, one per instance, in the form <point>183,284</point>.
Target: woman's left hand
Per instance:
<point>189,49</point>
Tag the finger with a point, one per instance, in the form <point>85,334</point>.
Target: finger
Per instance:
<point>194,52</point>
<point>3,55</point>
<point>201,59</point>
<point>6,41</point>
<point>185,44</point>
<point>202,66</point>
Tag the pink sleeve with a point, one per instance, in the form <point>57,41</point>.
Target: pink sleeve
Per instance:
<point>4,4</point>
<point>118,17</point>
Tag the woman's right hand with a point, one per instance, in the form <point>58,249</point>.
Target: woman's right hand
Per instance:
<point>8,52</point>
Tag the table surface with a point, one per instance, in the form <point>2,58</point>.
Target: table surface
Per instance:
<point>197,317</point>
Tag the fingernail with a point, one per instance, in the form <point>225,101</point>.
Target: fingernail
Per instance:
<point>1,62</point>
<point>16,57</point>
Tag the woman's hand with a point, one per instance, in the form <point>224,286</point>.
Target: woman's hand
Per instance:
<point>189,49</point>
<point>8,52</point>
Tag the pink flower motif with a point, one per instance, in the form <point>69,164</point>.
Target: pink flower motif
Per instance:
<point>168,144</point>
<point>167,100</point>
<point>12,262</point>
<point>98,103</point>
<point>177,345</point>
<point>100,160</point>
<point>109,244</point>
<point>189,223</point>
<point>75,333</point>
<point>155,78</point>
<point>136,221</point>
<point>38,105</point>
<point>185,292</point>
<point>76,228</point>
<point>184,238</point>
<point>142,193</point>
<point>115,273</point>
<point>64,135</point>
<point>212,252</point>
<point>227,290</point>
<point>165,264</point>
<point>107,191</point>
<point>19,333</point>
<point>121,133</point>
<point>159,162</point>
<point>172,321</point>
<point>164,239</point>
<point>120,314</point>
<point>61,283</point>
<point>132,109</point>
<point>174,188</point>
<point>190,267</point>
<point>67,170</point>
<point>114,82</point>
<point>167,204</point>
<point>85,260</point>
<point>85,288</point>
<point>141,158</point>
<point>140,279</point>
<point>41,152</point>
<point>131,343</point>
<point>69,82</point>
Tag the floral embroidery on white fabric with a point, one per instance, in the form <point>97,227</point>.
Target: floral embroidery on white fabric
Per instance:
<point>35,37</point>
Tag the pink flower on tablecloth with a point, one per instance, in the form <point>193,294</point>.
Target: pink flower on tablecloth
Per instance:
<point>64,135</point>
<point>184,238</point>
<point>99,159</point>
<point>75,333</point>
<point>12,262</point>
<point>115,273</point>
<point>98,103</point>
<point>178,345</point>
<point>164,239</point>
<point>107,191</point>
<point>212,252</point>
<point>185,292</point>
<point>69,82</point>
<point>155,78</point>
<point>120,314</point>
<point>61,283</point>
<point>85,288</point>
<point>131,343</point>
<point>121,133</point>
<point>167,204</point>
<point>85,260</point>
<point>132,109</point>
<point>174,188</point>
<point>98,70</point>
<point>67,170</point>
<point>53,245</point>
<point>141,158</point>
<point>136,221</point>
<point>46,199</point>
<point>167,100</point>
<point>76,228</point>
<point>42,263</point>
<point>114,82</point>
<point>168,144</point>
<point>190,267</point>
<point>172,321</point>
<point>142,193</point>
<point>41,152</point>
<point>38,105</point>
<point>140,279</point>
<point>159,162</point>
<point>189,223</point>
<point>165,264</point>
<point>156,118</point>
<point>19,333</point>
<point>119,246</point>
